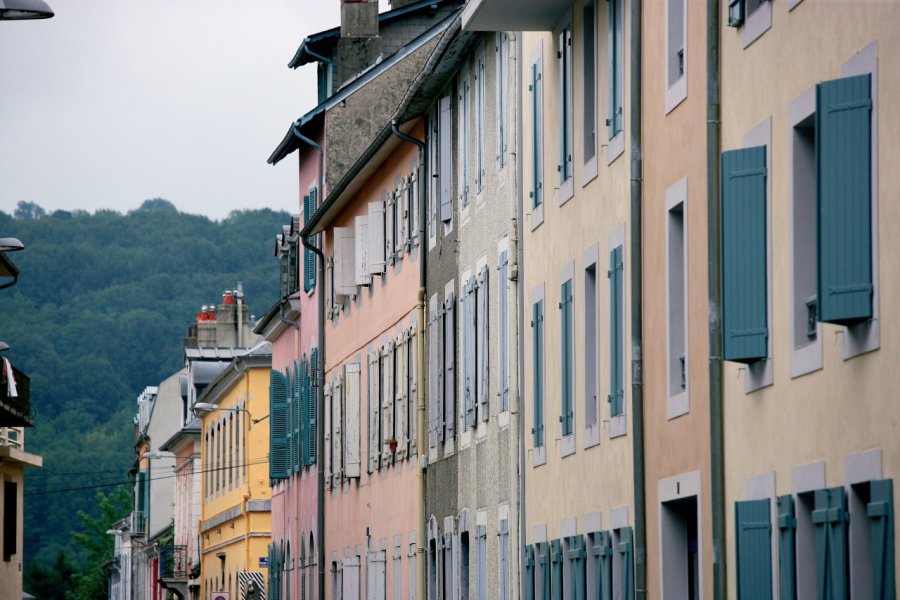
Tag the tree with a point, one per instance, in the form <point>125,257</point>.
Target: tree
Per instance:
<point>97,545</point>
<point>29,210</point>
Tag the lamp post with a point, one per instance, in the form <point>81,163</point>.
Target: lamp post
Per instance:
<point>200,408</point>
<point>21,10</point>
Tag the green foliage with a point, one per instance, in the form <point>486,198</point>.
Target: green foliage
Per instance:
<point>99,313</point>
<point>97,546</point>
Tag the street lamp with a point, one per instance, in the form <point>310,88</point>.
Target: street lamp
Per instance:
<point>19,10</point>
<point>207,407</point>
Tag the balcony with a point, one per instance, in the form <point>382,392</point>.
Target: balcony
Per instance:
<point>15,411</point>
<point>173,562</point>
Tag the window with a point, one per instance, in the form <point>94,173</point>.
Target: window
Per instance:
<point>279,427</point>
<point>435,375</point>
<point>616,332</point>
<point>566,106</point>
<point>589,81</point>
<point>753,17</point>
<point>591,349</point>
<point>502,93</point>
<point>361,239</point>
<point>345,261</point>
<point>680,549</point>
<point>309,258</point>
<point>412,568</point>
<point>676,300</point>
<point>676,53</point>
<point>567,342</point>
<point>351,422</point>
<point>469,328</point>
<point>376,236</point>
<point>600,569</point>
<point>463,137</point>
<point>482,332</point>
<point>387,404</point>
<point>615,115</point>
<point>479,123</point>
<point>481,562</point>
<point>503,329</point>
<point>528,577</point>
<point>431,206</point>
<point>463,565</point>
<point>398,570</point>
<point>375,405</point>
<point>535,90</point>
<point>537,349</point>
<point>542,572</point>
<point>445,158</point>
<point>449,375</point>
<point>376,582</point>
<point>557,585</point>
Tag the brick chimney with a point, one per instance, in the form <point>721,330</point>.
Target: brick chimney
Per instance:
<point>360,43</point>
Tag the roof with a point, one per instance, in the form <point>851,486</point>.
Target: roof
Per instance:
<point>212,353</point>
<point>258,356</point>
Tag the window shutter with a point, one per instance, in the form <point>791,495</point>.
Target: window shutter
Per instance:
<point>350,578</point>
<point>830,518</point>
<point>413,411</point>
<point>361,268</point>
<point>142,494</point>
<point>375,254</point>
<point>565,306</point>
<point>351,421</point>
<point>503,559</point>
<point>880,511</point>
<point>401,383</point>
<point>390,226</point>
<point>616,332</point>
<point>536,136</point>
<point>744,232</point>
<point>575,554</point>
<point>344,263</point>
<point>312,430</point>
<point>413,208</point>
<point>483,321</point>
<point>300,409</point>
<point>543,559</point>
<point>279,452</point>
<point>337,444</point>
<point>329,435</point>
<point>468,349</point>
<point>528,583</point>
<point>626,563</point>
<point>309,259</point>
<point>479,123</point>
<point>601,554</point>
<point>787,524</point>
<point>449,367</point>
<point>503,326</point>
<point>330,308</point>
<point>374,378</point>
<point>753,534</point>
<point>434,381</point>
<point>613,120</point>
<point>387,401</point>
<point>293,410</point>
<point>446,158</point>
<point>537,327</point>
<point>402,245</point>
<point>844,197</point>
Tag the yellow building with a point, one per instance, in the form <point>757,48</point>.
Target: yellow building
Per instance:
<point>235,525</point>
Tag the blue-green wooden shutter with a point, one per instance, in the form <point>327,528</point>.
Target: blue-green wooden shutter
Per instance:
<point>300,390</point>
<point>536,117</point>
<point>601,555</point>
<point>880,511</point>
<point>312,430</point>
<point>626,563</point>
<point>575,554</point>
<point>616,332</point>
<point>537,325</point>
<point>309,257</point>
<point>787,524</point>
<point>565,307</point>
<point>556,570</point>
<point>279,428</point>
<point>753,534</point>
<point>543,557</point>
<point>613,121</point>
<point>295,385</point>
<point>744,288</point>
<point>844,199</point>
<point>503,327</point>
<point>528,582</point>
<point>830,520</point>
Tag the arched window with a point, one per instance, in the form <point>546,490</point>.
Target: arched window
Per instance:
<point>302,567</point>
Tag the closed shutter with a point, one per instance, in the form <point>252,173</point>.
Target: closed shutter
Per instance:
<point>414,208</point>
<point>564,63</point>
<point>537,335</point>
<point>401,392</point>
<point>279,429</point>
<point>435,429</point>
<point>575,554</point>
<point>787,524</point>
<point>565,306</point>
<point>556,570</point>
<point>449,330</point>
<point>309,258</point>
<point>626,564</point>
<point>601,554</point>
<point>375,255</point>
<point>479,123</point>
<point>543,580</point>
<point>830,518</point>
<point>528,581</point>
<point>753,534</point>
<point>445,158</point>
<point>312,430</point>
<point>616,332</point>
<point>503,559</point>
<point>344,267</point>
<point>361,269</point>
<point>536,194</point>
<point>299,402</point>
<point>337,444</point>
<point>412,351</point>
<point>483,322</point>
<point>351,421</point>
<point>880,511</point>
<point>387,401</point>
<point>468,350</point>
<point>329,434</point>
<point>412,569</point>
<point>481,562</point>
<point>374,379</point>
<point>844,198</point>
<point>744,232</point>
<point>503,327</point>
<point>350,578</point>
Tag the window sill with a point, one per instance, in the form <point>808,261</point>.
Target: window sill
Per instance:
<point>537,216</point>
<point>677,405</point>
<point>617,426</point>
<point>566,191</point>
<point>757,24</point>
<point>676,93</point>
<point>539,456</point>
<point>567,445</point>
<point>758,375</point>
<point>589,171</point>
<point>807,358</point>
<point>615,148</point>
<point>591,436</point>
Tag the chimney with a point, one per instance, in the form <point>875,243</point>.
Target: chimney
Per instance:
<point>360,45</point>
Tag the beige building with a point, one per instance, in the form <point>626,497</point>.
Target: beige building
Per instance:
<point>13,462</point>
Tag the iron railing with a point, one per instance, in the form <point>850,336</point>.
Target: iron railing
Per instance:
<point>173,562</point>
<point>15,411</point>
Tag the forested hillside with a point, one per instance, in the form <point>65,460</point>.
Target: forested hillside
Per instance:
<point>99,313</point>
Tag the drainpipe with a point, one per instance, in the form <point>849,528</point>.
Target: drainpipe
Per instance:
<point>420,361</point>
<point>520,297</point>
<point>287,321</point>
<point>320,378</point>
<point>637,302</point>
<point>714,274</point>
<point>322,59</point>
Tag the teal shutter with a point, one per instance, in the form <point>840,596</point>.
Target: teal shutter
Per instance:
<point>787,524</point>
<point>556,570</point>
<point>536,118</point>
<point>626,563</point>
<point>565,307</point>
<point>301,392</point>
<point>575,554</point>
<point>543,557</point>
<point>753,534</point>
<point>735,13</point>
<point>614,120</point>
<point>830,520</point>
<point>279,428</point>
<point>309,257</point>
<point>616,332</point>
<point>312,430</point>
<point>537,325</point>
<point>601,555</point>
<point>880,511</point>
<point>844,199</point>
<point>528,581</point>
<point>744,294</point>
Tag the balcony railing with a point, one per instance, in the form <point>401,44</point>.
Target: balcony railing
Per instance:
<point>15,411</point>
<point>173,562</point>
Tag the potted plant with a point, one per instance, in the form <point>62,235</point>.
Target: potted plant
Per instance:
<point>392,444</point>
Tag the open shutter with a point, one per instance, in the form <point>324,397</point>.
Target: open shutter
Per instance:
<point>435,371</point>
<point>279,452</point>
<point>830,518</point>
<point>361,267</point>
<point>401,383</point>
<point>601,554</point>
<point>575,554</point>
<point>374,378</point>
<point>616,332</point>
<point>744,285</point>
<point>375,254</point>
<point>565,307</point>
<point>528,582</point>
<point>787,524</point>
<point>412,413</point>
<point>402,245</point>
<point>537,336</point>
<point>351,421</point>
<point>468,349</point>
<point>503,559</point>
<point>387,401</point>
<point>844,198</point>
<point>880,511</point>
<point>753,531</point>
<point>331,308</point>
<point>537,194</point>
<point>344,263</point>
<point>614,119</point>
<point>309,258</point>
<point>449,326</point>
<point>503,327</point>
<point>390,227</point>
<point>414,208</point>
<point>299,402</point>
<point>626,563</point>
<point>329,435</point>
<point>312,430</point>
<point>445,158</point>
<point>337,444</point>
<point>483,321</point>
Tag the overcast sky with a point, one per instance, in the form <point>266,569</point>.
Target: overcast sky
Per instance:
<point>112,102</point>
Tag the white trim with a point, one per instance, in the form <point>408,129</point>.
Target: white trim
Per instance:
<point>591,257</point>
<point>862,467</point>
<point>568,527</point>
<point>676,488</point>
<point>678,404</point>
<point>567,442</point>
<point>757,24</point>
<point>593,521</point>
<point>615,148</point>
<point>676,93</point>
<point>618,518</point>
<point>807,478</point>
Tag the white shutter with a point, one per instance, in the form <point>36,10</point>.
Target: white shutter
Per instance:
<point>375,255</point>
<point>336,444</point>
<point>351,421</point>
<point>374,447</point>
<point>434,369</point>
<point>350,579</point>
<point>390,222</point>
<point>387,395</point>
<point>376,585</point>
<point>330,309</point>
<point>361,267</point>
<point>403,218</point>
<point>446,159</point>
<point>400,396</point>
<point>412,352</point>
<point>344,267</point>
<point>483,328</point>
<point>414,208</point>
<point>328,435</point>
<point>449,360</point>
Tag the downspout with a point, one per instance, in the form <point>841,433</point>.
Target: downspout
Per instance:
<point>637,302</point>
<point>287,321</point>
<point>320,379</point>
<point>420,361</point>
<point>717,462</point>
<point>322,59</point>
<point>520,309</point>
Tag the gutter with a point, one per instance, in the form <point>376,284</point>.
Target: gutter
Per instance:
<point>637,300</point>
<point>520,296</point>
